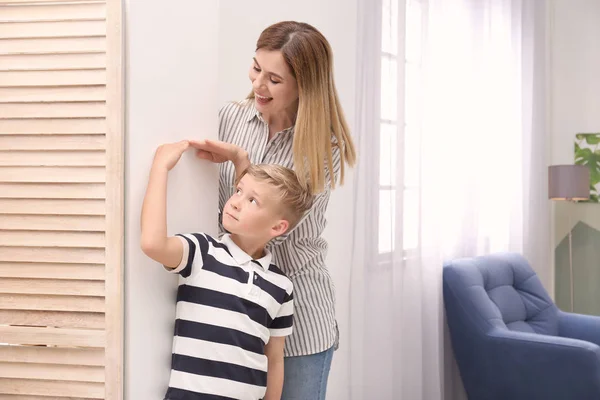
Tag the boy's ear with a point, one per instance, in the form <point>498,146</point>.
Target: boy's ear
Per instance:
<point>280,227</point>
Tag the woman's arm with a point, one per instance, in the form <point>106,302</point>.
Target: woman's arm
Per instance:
<point>220,152</point>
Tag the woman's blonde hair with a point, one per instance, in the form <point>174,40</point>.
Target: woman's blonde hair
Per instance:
<point>320,123</point>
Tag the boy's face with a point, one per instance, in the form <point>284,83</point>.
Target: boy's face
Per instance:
<point>253,211</point>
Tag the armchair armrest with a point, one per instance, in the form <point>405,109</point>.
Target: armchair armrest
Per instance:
<point>544,367</point>
<point>578,326</point>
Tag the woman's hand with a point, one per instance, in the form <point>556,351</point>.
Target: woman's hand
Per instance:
<point>217,151</point>
<point>220,152</point>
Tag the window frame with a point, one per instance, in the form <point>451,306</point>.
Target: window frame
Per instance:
<point>398,179</point>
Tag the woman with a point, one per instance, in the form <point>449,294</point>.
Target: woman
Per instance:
<point>293,118</point>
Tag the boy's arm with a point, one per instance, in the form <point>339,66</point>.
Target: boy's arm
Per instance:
<point>154,240</point>
<point>274,353</point>
<point>280,327</point>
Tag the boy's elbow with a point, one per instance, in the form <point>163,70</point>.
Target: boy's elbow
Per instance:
<point>274,349</point>
<point>150,246</point>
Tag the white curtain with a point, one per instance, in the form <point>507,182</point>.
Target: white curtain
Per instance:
<point>469,177</point>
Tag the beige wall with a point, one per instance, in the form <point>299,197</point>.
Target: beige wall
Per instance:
<point>171,78</point>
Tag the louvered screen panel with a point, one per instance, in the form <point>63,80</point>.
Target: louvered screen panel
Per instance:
<point>61,200</point>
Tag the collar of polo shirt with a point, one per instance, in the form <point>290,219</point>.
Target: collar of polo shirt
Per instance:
<point>241,257</point>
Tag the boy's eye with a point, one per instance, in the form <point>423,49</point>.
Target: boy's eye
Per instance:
<point>274,82</point>
<point>253,201</point>
<point>238,191</point>
<point>256,68</point>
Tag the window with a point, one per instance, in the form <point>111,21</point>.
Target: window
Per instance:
<point>400,125</point>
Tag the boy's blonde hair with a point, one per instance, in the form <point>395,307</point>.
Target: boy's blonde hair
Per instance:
<point>295,199</point>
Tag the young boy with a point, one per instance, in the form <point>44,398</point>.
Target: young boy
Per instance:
<point>234,308</point>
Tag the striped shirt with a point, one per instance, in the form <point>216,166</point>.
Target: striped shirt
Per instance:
<point>301,253</point>
<point>228,306</point>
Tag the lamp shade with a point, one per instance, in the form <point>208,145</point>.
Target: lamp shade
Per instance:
<point>568,182</point>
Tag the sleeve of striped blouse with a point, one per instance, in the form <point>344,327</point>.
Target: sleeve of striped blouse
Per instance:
<point>195,247</point>
<point>282,325</point>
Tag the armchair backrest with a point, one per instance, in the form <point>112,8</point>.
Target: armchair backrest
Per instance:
<point>496,291</point>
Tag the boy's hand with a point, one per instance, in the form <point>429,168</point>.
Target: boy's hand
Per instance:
<point>167,155</point>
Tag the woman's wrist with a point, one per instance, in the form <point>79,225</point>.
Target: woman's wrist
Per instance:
<point>242,161</point>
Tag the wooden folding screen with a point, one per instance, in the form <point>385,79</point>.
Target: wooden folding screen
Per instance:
<point>61,200</point>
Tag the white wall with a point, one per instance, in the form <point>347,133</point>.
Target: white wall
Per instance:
<point>240,24</point>
<point>575,73</point>
<point>575,94</point>
<point>171,94</point>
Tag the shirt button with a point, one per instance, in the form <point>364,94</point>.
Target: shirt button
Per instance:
<point>255,277</point>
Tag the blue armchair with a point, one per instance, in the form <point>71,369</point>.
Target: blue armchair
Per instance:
<point>510,340</point>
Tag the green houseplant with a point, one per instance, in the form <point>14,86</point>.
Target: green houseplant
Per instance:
<point>587,152</point>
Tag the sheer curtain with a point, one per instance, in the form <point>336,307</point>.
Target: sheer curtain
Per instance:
<point>450,131</point>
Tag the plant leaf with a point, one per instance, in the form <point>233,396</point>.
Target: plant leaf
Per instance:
<point>592,138</point>
<point>583,156</point>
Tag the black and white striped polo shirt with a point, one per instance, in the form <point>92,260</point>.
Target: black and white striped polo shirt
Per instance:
<point>228,306</point>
